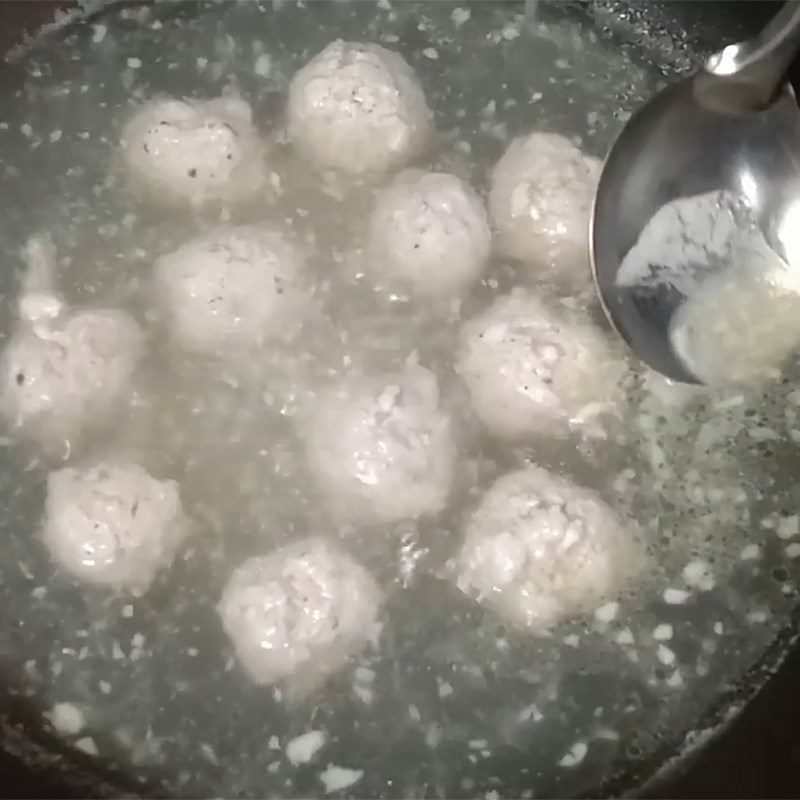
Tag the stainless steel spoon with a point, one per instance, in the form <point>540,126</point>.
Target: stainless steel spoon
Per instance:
<point>733,127</point>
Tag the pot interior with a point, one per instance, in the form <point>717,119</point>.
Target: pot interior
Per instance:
<point>451,702</point>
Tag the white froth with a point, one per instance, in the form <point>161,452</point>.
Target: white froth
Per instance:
<point>698,575</point>
<point>741,316</point>
<point>66,718</point>
<point>739,327</point>
<point>335,779</point>
<point>303,748</point>
<point>662,632</point>
<point>675,597</point>
<point>607,612</point>
<point>574,755</point>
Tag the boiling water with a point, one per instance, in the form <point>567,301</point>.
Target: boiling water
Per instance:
<point>451,704</point>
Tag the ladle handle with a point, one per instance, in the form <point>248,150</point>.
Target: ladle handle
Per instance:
<point>755,69</point>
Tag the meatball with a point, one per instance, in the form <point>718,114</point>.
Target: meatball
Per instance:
<point>65,371</point>
<point>540,200</point>
<point>429,230</point>
<point>299,613</point>
<point>539,550</point>
<point>194,150</point>
<point>381,448</point>
<point>358,108</point>
<point>533,370</point>
<point>112,524</point>
<point>232,289</point>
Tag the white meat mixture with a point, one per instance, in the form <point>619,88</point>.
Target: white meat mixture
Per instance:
<point>358,108</point>
<point>232,289</point>
<point>428,231</point>
<point>64,370</point>
<point>299,613</point>
<point>540,549</point>
<point>381,448</point>
<point>534,369</point>
<point>112,524</point>
<point>193,151</point>
<point>68,373</point>
<point>540,201</point>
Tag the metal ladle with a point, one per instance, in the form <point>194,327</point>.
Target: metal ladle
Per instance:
<point>732,127</point>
